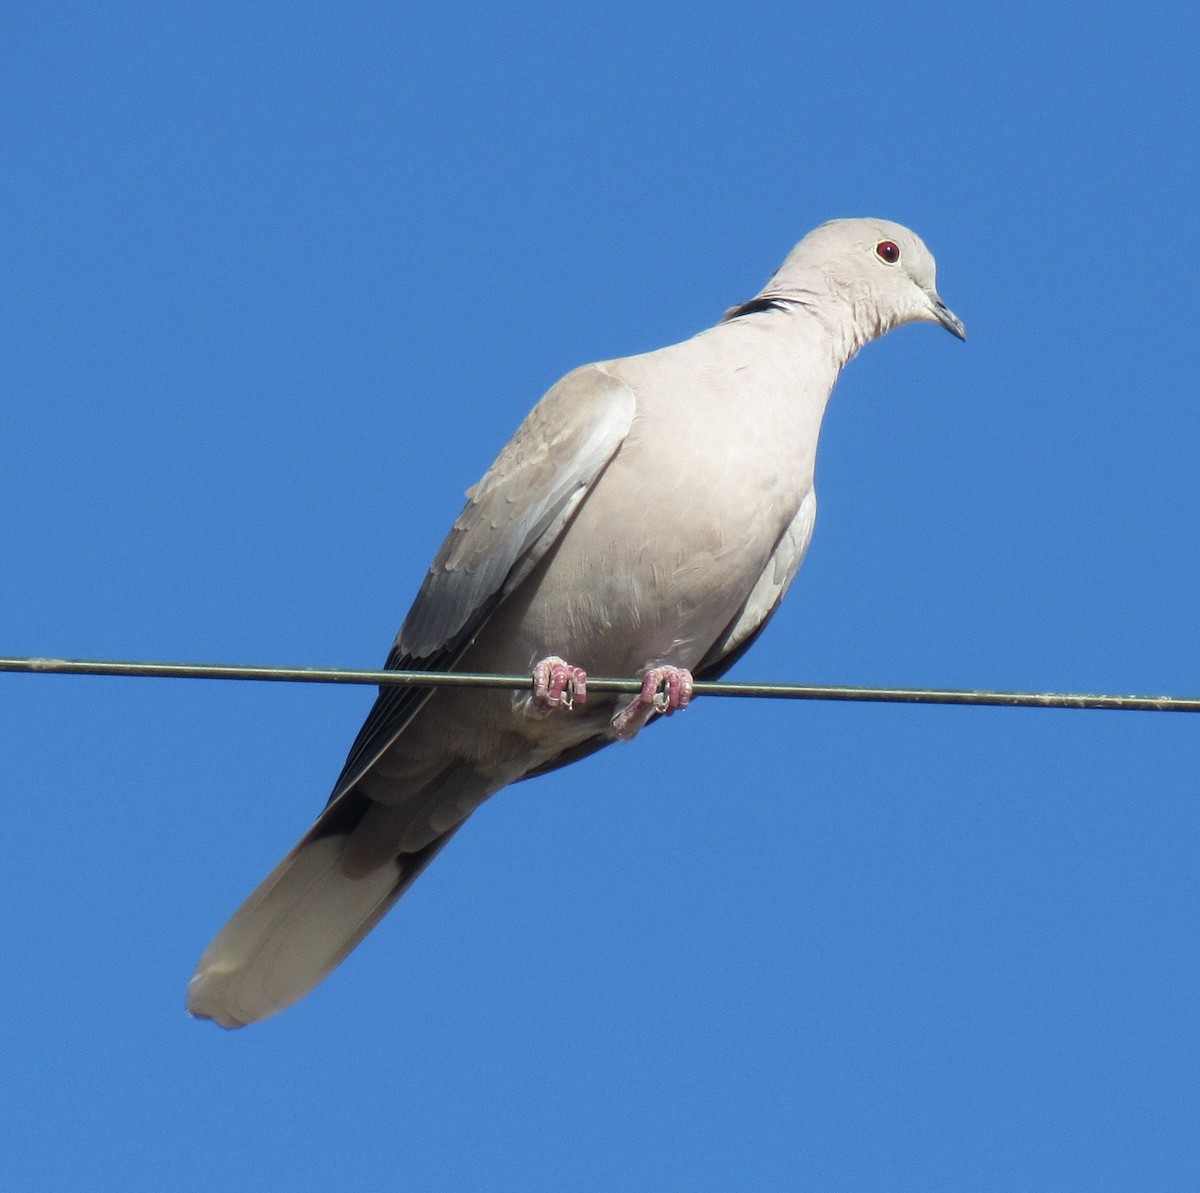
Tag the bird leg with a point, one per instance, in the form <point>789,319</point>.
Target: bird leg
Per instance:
<point>664,690</point>
<point>556,684</point>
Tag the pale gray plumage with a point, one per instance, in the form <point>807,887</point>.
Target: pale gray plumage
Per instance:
<point>649,510</point>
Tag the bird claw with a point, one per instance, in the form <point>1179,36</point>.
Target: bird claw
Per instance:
<point>665,690</point>
<point>556,684</point>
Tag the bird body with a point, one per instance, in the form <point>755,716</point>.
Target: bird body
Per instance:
<point>650,511</point>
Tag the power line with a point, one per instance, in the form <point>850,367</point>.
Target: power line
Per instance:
<point>462,679</point>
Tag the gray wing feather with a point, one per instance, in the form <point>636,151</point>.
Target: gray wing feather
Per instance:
<point>511,519</point>
<point>520,507</point>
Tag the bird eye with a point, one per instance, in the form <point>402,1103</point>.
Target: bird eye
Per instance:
<point>888,251</point>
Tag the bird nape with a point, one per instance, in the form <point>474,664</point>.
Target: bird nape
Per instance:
<point>587,547</point>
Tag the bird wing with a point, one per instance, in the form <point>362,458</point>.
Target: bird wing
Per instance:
<point>512,518</point>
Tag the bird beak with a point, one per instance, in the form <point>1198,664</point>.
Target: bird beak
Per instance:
<point>942,314</point>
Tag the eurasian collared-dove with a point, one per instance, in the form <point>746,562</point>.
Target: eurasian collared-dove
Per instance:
<point>590,545</point>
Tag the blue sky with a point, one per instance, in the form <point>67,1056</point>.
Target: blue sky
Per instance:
<point>278,282</point>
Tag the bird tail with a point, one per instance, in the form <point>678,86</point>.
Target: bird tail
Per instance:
<point>300,923</point>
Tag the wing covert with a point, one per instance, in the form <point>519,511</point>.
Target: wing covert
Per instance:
<point>518,509</point>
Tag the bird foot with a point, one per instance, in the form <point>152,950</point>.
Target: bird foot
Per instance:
<point>664,690</point>
<point>556,684</point>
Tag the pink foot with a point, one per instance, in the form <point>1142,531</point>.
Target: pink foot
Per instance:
<point>557,684</point>
<point>664,690</point>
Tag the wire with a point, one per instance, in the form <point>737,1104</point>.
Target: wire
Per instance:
<point>462,679</point>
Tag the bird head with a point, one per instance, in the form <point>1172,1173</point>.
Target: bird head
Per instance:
<point>881,270</point>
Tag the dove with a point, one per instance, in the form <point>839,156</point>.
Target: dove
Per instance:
<point>645,520</point>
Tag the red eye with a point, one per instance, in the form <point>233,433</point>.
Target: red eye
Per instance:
<point>888,251</point>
